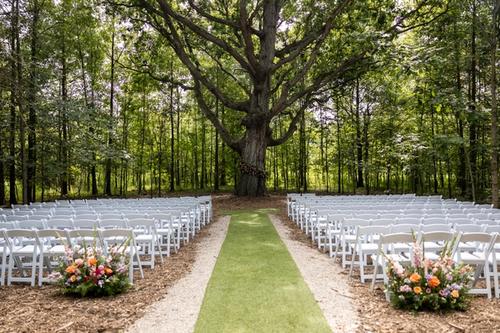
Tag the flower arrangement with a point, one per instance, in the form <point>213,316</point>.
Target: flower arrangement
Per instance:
<point>86,271</point>
<point>429,285</point>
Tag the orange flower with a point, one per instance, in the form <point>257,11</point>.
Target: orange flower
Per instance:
<point>92,261</point>
<point>455,293</point>
<point>417,290</point>
<point>415,278</point>
<point>433,282</point>
<point>108,271</point>
<point>71,269</point>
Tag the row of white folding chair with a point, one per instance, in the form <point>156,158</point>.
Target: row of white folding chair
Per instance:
<point>29,249</point>
<point>483,258</point>
<point>342,237</point>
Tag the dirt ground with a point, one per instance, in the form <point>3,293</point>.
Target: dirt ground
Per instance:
<point>32,309</point>
<point>27,309</point>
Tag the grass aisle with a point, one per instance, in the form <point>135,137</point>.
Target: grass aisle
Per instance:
<point>256,286</point>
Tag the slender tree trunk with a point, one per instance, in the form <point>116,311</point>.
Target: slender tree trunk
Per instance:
<point>178,138</point>
<point>434,162</point>
<point>461,174</point>
<point>494,114</point>
<point>64,122</point>
<point>472,107</point>
<point>172,140</point>
<point>302,155</point>
<point>13,100</point>
<point>359,145</point>
<point>366,143</point>
<point>107,173</point>
<point>31,189</point>
<point>160,149</point>
<point>203,154</point>
<point>140,176</point>
<point>2,171</point>
<point>339,157</point>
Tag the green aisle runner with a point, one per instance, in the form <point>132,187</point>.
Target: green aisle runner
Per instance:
<point>256,286</point>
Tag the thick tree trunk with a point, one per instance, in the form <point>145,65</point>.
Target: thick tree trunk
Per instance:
<point>252,180</point>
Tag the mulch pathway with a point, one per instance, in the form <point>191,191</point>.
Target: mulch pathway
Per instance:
<point>27,309</point>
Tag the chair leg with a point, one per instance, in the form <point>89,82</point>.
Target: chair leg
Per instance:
<point>131,270</point>
<point>495,277</point>
<point>4,266</point>
<point>352,262</point>
<point>139,263</point>
<point>375,269</point>
<point>33,268</point>
<point>361,258</point>
<point>9,270</point>
<point>40,270</point>
<point>159,249</point>
<point>488,279</point>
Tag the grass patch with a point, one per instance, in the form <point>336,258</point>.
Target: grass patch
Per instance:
<point>256,286</point>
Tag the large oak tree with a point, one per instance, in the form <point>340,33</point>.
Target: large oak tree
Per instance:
<point>282,53</point>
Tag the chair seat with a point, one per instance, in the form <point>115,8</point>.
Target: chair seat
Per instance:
<point>474,258</point>
<point>56,249</point>
<point>349,238</point>
<point>401,247</point>
<point>163,231</point>
<point>23,250</point>
<point>144,238</point>
<point>369,248</point>
<point>395,257</point>
<point>467,246</point>
<point>433,246</point>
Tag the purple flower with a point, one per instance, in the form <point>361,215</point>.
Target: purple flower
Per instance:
<point>444,292</point>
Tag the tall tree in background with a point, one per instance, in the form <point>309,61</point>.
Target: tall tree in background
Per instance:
<point>494,115</point>
<point>268,47</point>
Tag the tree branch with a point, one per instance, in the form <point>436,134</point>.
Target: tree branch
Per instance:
<point>177,45</point>
<point>224,133</point>
<point>204,34</point>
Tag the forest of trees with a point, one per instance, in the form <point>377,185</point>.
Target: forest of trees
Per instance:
<point>126,98</point>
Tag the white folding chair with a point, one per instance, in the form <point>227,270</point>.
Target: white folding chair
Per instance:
<point>125,242</point>
<point>52,244</point>
<point>347,237</point>
<point>147,238</point>
<point>386,250</point>
<point>478,258</point>
<point>366,244</point>
<point>59,224</point>
<point>23,255</point>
